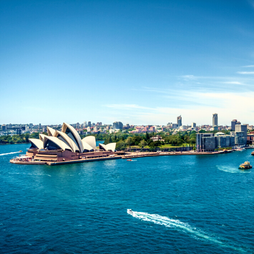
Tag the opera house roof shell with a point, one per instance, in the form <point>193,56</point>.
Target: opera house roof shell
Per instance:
<point>68,139</point>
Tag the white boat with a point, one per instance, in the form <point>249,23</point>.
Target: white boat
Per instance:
<point>129,211</point>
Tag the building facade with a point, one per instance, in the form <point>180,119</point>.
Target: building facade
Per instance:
<point>118,125</point>
<point>241,134</point>
<point>208,142</point>
<point>215,119</point>
<point>179,121</point>
<point>205,142</point>
<point>233,123</point>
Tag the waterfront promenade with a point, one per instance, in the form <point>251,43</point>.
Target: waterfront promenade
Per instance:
<point>118,155</point>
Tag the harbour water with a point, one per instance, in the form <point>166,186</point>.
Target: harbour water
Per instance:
<point>181,204</point>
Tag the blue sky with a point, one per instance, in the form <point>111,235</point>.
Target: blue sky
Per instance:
<point>139,62</point>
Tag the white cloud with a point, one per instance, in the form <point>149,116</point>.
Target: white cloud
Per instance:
<point>246,72</point>
<point>232,83</point>
<point>189,77</point>
<point>227,105</point>
<point>248,66</point>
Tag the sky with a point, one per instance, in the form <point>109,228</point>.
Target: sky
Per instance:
<point>138,62</point>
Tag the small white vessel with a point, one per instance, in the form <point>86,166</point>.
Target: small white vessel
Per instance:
<point>129,211</point>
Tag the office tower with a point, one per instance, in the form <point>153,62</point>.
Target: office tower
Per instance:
<point>215,119</point>
<point>233,123</point>
<point>179,121</point>
<point>118,125</point>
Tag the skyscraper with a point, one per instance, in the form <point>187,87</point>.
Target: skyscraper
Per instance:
<point>179,121</point>
<point>118,125</point>
<point>233,123</point>
<point>215,119</point>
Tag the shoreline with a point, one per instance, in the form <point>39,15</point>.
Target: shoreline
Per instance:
<point>129,155</point>
<point>153,154</point>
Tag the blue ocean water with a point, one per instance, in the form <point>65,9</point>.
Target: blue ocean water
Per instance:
<point>181,204</point>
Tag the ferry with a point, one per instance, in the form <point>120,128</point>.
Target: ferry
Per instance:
<point>245,165</point>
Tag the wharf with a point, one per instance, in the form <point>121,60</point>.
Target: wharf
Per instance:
<point>129,155</point>
<point>64,162</point>
<point>84,160</point>
<point>15,161</point>
<point>152,154</point>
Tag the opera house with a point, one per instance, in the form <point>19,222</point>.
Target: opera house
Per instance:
<point>66,146</point>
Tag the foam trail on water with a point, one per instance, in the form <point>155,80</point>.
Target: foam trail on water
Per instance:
<point>2,154</point>
<point>232,170</point>
<point>177,224</point>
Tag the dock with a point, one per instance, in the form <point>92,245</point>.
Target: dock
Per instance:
<point>128,155</point>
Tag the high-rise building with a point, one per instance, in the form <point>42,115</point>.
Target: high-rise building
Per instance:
<point>233,123</point>
<point>89,124</point>
<point>179,121</point>
<point>193,125</point>
<point>118,125</point>
<point>215,119</point>
<point>205,142</point>
<point>241,131</point>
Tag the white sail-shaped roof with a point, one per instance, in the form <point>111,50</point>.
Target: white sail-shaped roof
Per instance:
<point>56,141</point>
<point>74,135</point>
<point>51,131</point>
<point>90,140</point>
<point>108,147</point>
<point>42,136</point>
<point>86,146</point>
<point>36,142</point>
<point>68,140</point>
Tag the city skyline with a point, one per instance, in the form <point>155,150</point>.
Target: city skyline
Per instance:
<point>96,123</point>
<point>137,62</point>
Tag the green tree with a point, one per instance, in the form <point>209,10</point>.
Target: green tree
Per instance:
<point>142,143</point>
<point>147,136</point>
<point>129,141</point>
<point>120,145</point>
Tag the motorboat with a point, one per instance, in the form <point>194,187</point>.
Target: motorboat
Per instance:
<point>129,211</point>
<point>129,160</point>
<point>245,165</point>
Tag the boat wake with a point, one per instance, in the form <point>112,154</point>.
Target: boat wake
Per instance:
<point>232,170</point>
<point>178,225</point>
<point>3,154</point>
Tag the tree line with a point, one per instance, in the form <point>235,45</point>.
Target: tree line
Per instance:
<point>125,140</point>
<point>17,139</point>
